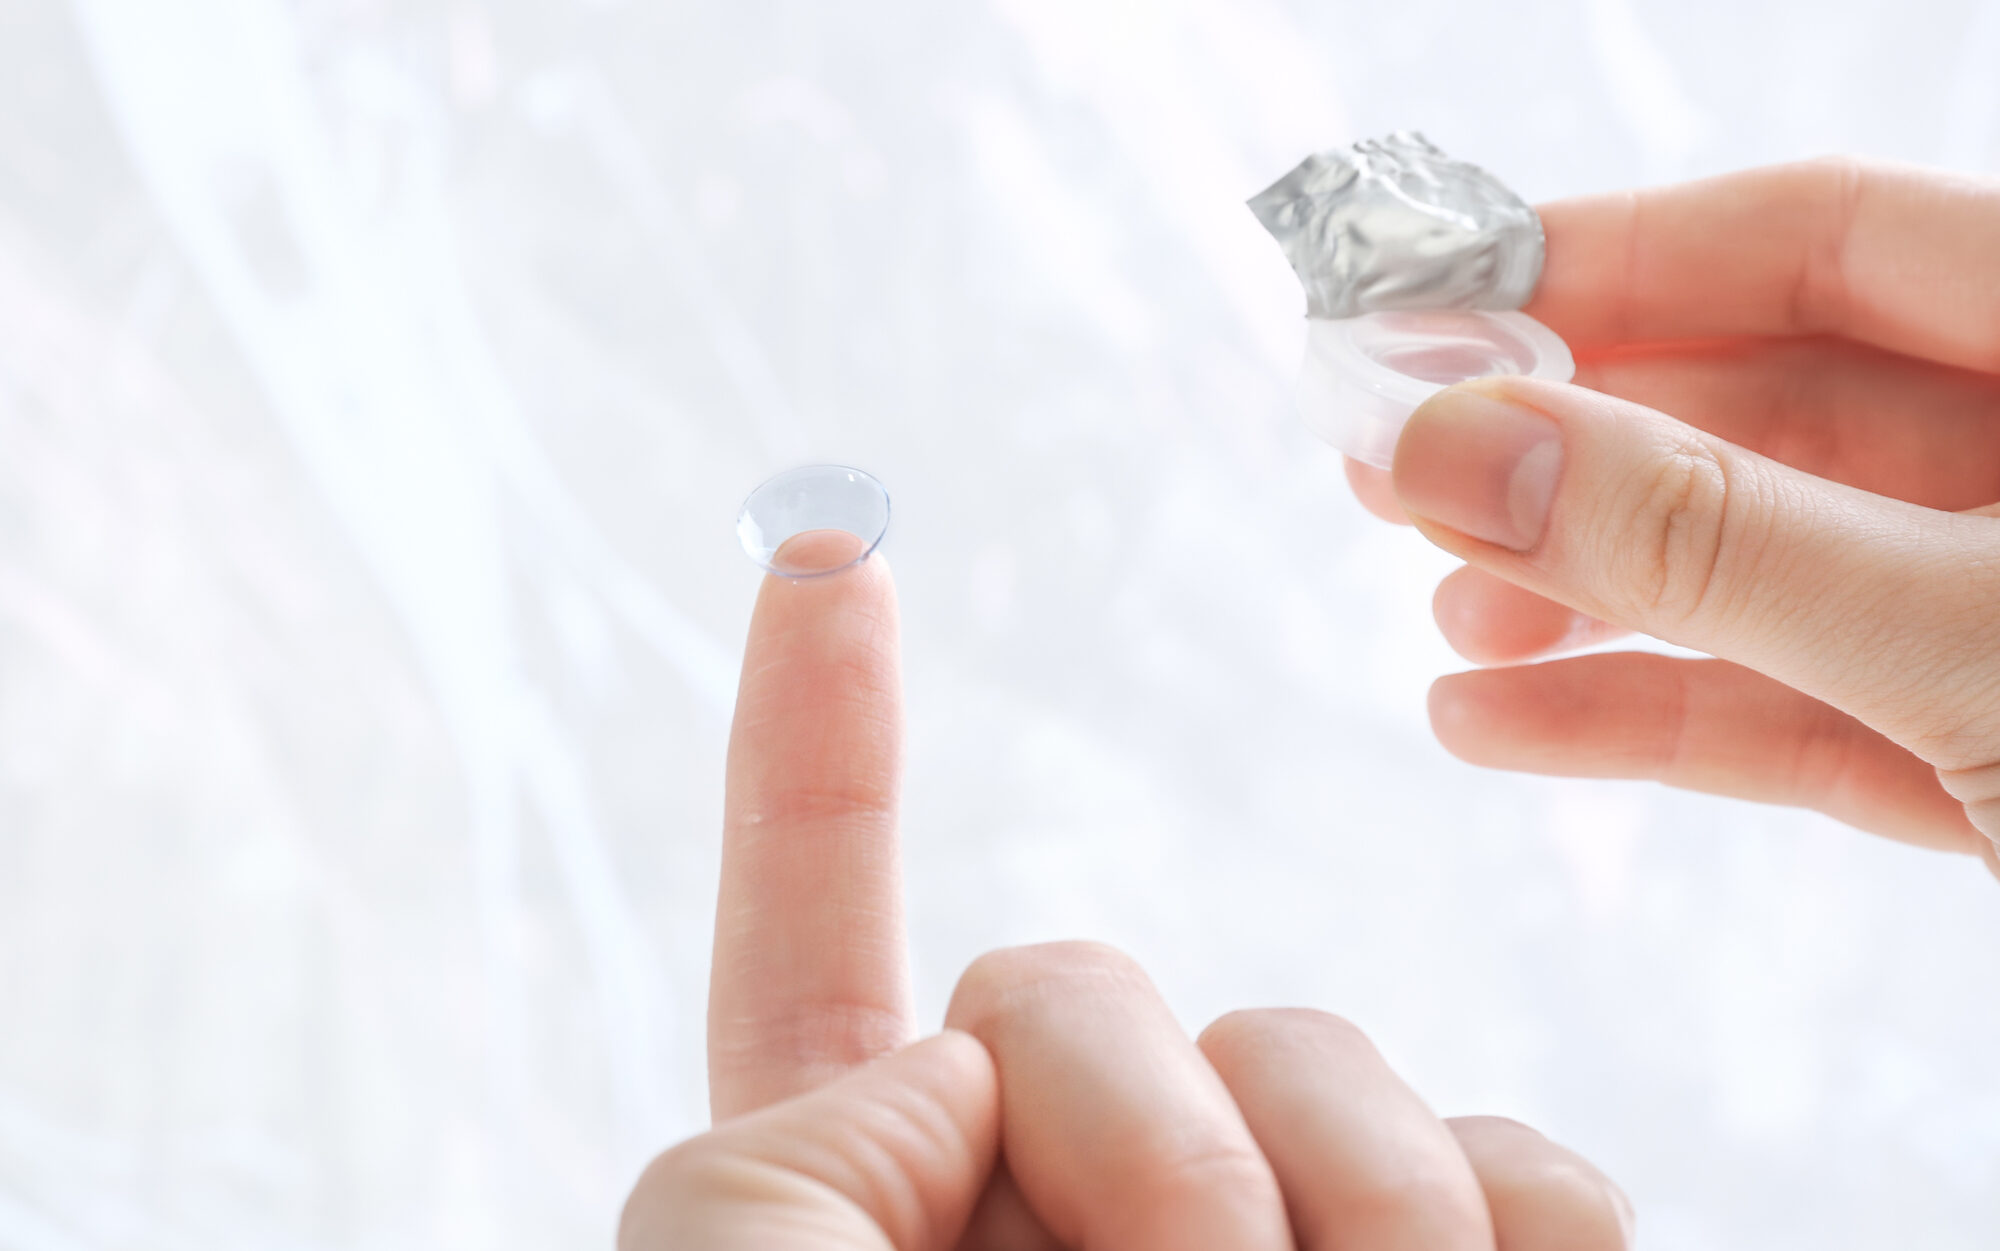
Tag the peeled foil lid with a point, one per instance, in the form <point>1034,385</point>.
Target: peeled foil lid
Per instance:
<point>1394,223</point>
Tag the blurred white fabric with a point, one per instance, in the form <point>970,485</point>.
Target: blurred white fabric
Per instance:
<point>378,382</point>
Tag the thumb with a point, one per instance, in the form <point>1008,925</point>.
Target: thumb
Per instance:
<point>890,1157</point>
<point>1881,608</point>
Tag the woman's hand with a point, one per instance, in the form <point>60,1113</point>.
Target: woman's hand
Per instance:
<point>1063,1106</point>
<point>1823,515</point>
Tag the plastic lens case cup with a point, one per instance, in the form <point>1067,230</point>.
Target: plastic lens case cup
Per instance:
<point>1364,376</point>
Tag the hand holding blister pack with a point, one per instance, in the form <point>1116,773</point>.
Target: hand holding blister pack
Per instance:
<point>1413,265</point>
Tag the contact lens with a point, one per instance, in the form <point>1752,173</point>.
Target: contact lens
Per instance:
<point>814,520</point>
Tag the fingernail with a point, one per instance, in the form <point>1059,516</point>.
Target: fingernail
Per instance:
<point>1481,465</point>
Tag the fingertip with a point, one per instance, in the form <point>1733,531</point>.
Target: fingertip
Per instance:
<point>846,618</point>
<point>821,568</point>
<point>1490,621</point>
<point>1479,460</point>
<point>1455,611</point>
<point>1376,491</point>
<point>817,553</point>
<point>1522,717</point>
<point>1457,714</point>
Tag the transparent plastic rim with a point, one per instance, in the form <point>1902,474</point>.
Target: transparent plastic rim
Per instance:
<point>1351,396</point>
<point>1552,360</point>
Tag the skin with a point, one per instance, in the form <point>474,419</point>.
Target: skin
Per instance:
<point>1820,509</point>
<point>1063,1106</point>
<point>1822,520</point>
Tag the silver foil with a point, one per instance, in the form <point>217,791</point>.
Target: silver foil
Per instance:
<point>1394,223</point>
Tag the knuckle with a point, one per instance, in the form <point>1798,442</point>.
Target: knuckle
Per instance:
<point>1488,1126</point>
<point>1950,659</point>
<point>1985,818</point>
<point>1544,1185</point>
<point>1978,788</point>
<point>1677,518</point>
<point>1172,1175</point>
<point>1414,1197</point>
<point>997,978</point>
<point>814,1033</point>
<point>1238,1031</point>
<point>1833,177</point>
<point>659,1200</point>
<point>709,1189</point>
<point>1329,1025</point>
<point>1836,164</point>
<point>668,1173</point>
<point>1041,962</point>
<point>852,800</point>
<point>1577,1197</point>
<point>1829,189</point>
<point>1247,1032</point>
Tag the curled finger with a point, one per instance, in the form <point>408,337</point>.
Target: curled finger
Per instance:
<point>1363,1163</point>
<point>1119,1134</point>
<point>1701,725</point>
<point>1543,1196</point>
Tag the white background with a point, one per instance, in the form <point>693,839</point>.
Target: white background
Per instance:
<point>378,382</point>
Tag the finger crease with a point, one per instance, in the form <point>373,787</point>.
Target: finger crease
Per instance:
<point>1820,295</point>
<point>1676,722</point>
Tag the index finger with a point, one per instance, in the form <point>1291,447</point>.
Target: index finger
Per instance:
<point>1901,257</point>
<point>810,974</point>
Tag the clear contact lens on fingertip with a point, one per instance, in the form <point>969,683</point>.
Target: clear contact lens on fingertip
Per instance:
<point>814,520</point>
